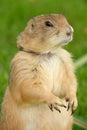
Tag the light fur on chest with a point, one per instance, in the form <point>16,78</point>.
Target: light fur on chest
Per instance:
<point>51,71</point>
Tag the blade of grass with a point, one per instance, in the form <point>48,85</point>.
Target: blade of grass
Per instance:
<point>80,123</point>
<point>81,61</point>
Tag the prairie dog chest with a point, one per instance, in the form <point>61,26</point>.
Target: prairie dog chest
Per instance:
<point>50,70</point>
<point>50,65</point>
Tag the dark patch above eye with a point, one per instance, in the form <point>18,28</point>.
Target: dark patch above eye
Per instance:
<point>49,24</point>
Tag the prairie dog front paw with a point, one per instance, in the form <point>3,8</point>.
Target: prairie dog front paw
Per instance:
<point>55,103</point>
<point>72,103</point>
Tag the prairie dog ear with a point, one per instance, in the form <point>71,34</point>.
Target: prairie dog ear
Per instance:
<point>30,26</point>
<point>26,35</point>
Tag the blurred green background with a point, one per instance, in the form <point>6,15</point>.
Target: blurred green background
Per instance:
<point>14,15</point>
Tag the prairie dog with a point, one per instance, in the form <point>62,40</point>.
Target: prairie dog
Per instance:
<point>41,94</point>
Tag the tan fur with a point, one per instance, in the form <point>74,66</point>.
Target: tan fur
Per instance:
<point>42,76</point>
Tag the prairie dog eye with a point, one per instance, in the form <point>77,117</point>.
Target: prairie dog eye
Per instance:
<point>49,24</point>
<point>32,26</point>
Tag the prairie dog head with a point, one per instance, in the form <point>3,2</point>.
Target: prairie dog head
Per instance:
<point>45,33</point>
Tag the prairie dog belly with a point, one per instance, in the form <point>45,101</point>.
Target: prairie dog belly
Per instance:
<point>40,117</point>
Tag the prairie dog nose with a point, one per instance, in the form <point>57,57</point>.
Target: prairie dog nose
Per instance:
<point>69,31</point>
<point>72,29</point>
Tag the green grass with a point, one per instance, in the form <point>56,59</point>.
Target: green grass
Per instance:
<point>75,127</point>
<point>14,15</point>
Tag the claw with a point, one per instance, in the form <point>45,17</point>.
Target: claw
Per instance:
<point>51,107</point>
<point>72,112</point>
<point>57,109</point>
<point>68,107</point>
<point>67,99</point>
<point>61,105</point>
<point>72,109</point>
<point>64,106</point>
